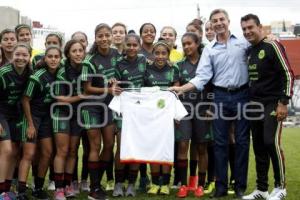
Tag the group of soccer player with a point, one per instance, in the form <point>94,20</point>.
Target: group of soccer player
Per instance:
<point>50,102</point>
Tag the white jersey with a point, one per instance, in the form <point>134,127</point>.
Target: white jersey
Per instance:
<point>148,125</point>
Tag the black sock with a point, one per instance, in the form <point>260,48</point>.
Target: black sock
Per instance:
<point>51,171</point>
<point>38,182</point>
<point>109,169</point>
<point>59,180</point>
<point>201,178</point>
<point>166,179</point>
<point>67,179</point>
<point>132,176</point>
<point>22,187</point>
<point>102,167</point>
<point>155,178</point>
<point>119,175</point>
<point>94,174</point>
<point>75,173</point>
<point>182,170</point>
<point>193,167</point>
<point>143,170</point>
<point>2,187</point>
<point>7,185</point>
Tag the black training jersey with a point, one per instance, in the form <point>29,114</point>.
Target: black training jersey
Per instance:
<point>71,75</point>
<point>131,71</point>
<point>99,69</point>
<point>148,55</point>
<point>187,71</point>
<point>38,89</point>
<point>12,86</point>
<point>270,74</point>
<point>164,77</point>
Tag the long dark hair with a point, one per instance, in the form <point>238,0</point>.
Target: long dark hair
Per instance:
<point>94,48</point>
<point>68,46</point>
<point>29,49</point>
<point>42,63</point>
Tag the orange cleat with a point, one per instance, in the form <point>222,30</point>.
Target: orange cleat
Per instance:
<point>182,191</point>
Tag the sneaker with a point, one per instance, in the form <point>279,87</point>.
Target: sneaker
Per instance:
<point>97,194</point>
<point>182,191</point>
<point>84,186</point>
<point>209,187</point>
<point>75,187</point>
<point>256,194</point>
<point>130,191</point>
<point>110,185</point>
<point>144,183</point>
<point>69,192</point>
<point>199,192</point>
<point>278,194</point>
<point>40,194</point>
<point>118,190</point>
<point>165,189</point>
<point>59,194</point>
<point>193,182</point>
<point>51,185</point>
<point>4,196</point>
<point>153,189</point>
<point>231,187</point>
<point>12,195</point>
<point>22,196</point>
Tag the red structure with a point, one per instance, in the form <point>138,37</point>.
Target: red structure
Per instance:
<point>292,47</point>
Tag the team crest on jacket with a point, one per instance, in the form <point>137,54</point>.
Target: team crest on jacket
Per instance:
<point>161,103</point>
<point>261,54</point>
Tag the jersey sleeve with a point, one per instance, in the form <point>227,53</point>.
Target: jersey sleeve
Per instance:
<point>176,76</point>
<point>61,87</point>
<point>282,63</point>
<point>118,72</point>
<point>87,70</point>
<point>180,111</point>
<point>32,87</point>
<point>115,104</point>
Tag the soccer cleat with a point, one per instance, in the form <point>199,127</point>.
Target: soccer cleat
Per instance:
<point>51,185</point>
<point>75,187</point>
<point>4,196</point>
<point>130,191</point>
<point>22,196</point>
<point>199,192</point>
<point>59,194</point>
<point>165,189</point>
<point>278,194</point>
<point>84,186</point>
<point>231,187</point>
<point>153,189</point>
<point>40,194</point>
<point>193,182</point>
<point>69,192</point>
<point>118,190</point>
<point>97,194</point>
<point>209,187</point>
<point>182,191</point>
<point>109,185</point>
<point>256,194</point>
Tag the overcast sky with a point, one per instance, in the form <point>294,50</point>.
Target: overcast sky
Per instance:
<point>72,15</point>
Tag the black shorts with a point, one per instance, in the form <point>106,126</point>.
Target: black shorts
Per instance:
<point>93,117</point>
<point>67,126</point>
<point>42,125</point>
<point>197,130</point>
<point>10,131</point>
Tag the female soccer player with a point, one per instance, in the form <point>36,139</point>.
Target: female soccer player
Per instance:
<point>98,69</point>
<point>119,32</point>
<point>8,41</point>
<point>131,70</point>
<point>147,33</point>
<point>192,128</point>
<point>67,132</point>
<point>169,34</point>
<point>13,79</point>
<point>161,73</point>
<point>37,123</point>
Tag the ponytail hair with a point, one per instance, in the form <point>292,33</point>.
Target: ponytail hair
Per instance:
<point>29,49</point>
<point>94,47</point>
